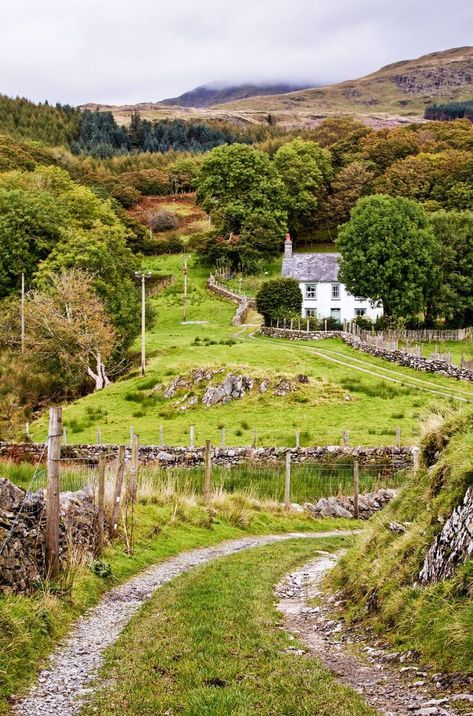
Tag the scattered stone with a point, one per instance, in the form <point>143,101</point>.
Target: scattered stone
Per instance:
<point>341,506</point>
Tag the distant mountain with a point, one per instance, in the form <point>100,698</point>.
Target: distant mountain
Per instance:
<point>402,88</point>
<point>209,95</point>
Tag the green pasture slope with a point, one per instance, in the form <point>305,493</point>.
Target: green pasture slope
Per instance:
<point>347,390</point>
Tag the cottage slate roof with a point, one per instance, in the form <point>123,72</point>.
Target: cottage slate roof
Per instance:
<point>311,267</point>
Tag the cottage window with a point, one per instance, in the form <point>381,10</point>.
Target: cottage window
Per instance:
<point>336,291</point>
<point>360,311</point>
<point>311,291</point>
<point>311,313</point>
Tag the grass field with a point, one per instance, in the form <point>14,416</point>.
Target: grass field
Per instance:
<point>342,393</point>
<point>208,644</point>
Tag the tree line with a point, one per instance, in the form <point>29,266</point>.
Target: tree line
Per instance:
<point>450,110</point>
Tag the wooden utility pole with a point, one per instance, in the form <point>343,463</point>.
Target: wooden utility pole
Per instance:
<point>22,312</point>
<point>185,271</point>
<point>287,484</point>
<point>52,492</point>
<point>118,490</point>
<point>208,471</point>
<point>100,505</point>
<point>356,490</point>
<point>143,324</point>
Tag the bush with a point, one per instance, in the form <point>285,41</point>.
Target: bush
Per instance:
<point>279,298</point>
<point>163,221</point>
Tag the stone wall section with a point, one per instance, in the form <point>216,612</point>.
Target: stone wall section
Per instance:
<point>244,303</point>
<point>408,360</point>
<point>395,458</point>
<point>22,527</point>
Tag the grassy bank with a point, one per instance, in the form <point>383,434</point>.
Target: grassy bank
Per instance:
<point>337,397</point>
<point>377,577</point>
<point>31,625</point>
<point>208,644</point>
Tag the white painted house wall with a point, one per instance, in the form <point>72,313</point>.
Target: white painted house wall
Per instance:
<point>323,296</point>
<point>326,304</point>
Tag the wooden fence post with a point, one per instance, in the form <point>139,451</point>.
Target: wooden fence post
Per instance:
<point>161,436</point>
<point>100,505</point>
<point>223,438</point>
<point>346,438</point>
<point>99,437</point>
<point>287,484</point>
<point>52,492</point>
<point>191,437</point>
<point>27,429</point>
<point>398,436</point>
<point>132,432</point>
<point>208,471</point>
<point>356,490</point>
<point>64,436</point>
<point>255,437</point>
<point>133,487</point>
<point>325,325</point>
<point>118,490</point>
<point>298,438</point>
<point>416,458</point>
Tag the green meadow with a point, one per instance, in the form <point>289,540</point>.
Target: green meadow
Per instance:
<point>347,390</point>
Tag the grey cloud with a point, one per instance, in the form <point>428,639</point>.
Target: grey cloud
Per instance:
<point>118,51</point>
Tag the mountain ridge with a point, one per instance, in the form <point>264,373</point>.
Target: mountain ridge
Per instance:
<point>209,95</point>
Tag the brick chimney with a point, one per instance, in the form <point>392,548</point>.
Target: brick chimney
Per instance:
<point>288,247</point>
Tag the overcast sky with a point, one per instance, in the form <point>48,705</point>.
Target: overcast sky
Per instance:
<point>117,51</point>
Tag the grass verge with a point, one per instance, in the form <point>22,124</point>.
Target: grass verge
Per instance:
<point>31,625</point>
<point>208,644</point>
<point>378,576</point>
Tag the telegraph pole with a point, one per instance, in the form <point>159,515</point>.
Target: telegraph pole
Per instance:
<point>22,312</point>
<point>143,276</point>
<point>184,270</point>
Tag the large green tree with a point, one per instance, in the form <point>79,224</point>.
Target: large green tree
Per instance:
<point>237,181</point>
<point>305,168</point>
<point>450,294</point>
<point>387,251</point>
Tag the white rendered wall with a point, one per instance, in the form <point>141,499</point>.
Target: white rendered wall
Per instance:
<point>347,303</point>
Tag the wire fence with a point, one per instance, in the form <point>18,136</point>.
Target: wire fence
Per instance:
<point>309,482</point>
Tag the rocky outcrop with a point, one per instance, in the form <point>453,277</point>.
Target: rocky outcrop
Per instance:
<point>22,524</point>
<point>453,546</point>
<point>341,506</point>
<point>234,387</point>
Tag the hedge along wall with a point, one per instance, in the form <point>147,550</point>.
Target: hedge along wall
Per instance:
<point>399,458</point>
<point>394,356</point>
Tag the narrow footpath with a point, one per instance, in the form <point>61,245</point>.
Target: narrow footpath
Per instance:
<point>369,671</point>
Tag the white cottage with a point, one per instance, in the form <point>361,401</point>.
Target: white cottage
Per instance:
<point>323,296</point>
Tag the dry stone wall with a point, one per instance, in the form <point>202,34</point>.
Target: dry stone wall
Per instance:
<point>395,458</point>
<point>408,360</point>
<point>244,303</point>
<point>22,525</point>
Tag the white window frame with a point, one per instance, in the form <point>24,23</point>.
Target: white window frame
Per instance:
<point>360,311</point>
<point>335,290</point>
<point>311,288</point>
<point>311,313</point>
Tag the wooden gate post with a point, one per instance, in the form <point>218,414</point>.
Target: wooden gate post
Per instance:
<point>52,492</point>
<point>100,505</point>
<point>208,471</point>
<point>356,490</point>
<point>118,490</point>
<point>287,484</point>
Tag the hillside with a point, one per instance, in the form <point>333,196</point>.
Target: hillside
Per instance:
<point>208,95</point>
<point>404,88</point>
<point>410,577</point>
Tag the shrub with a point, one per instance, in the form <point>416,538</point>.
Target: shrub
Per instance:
<point>279,298</point>
<point>163,221</point>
